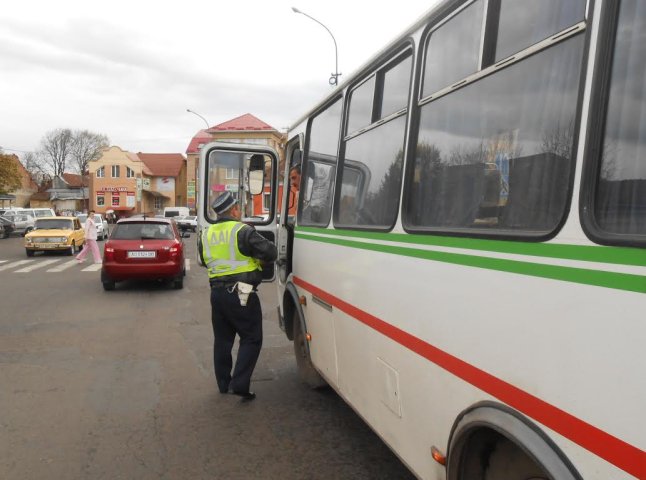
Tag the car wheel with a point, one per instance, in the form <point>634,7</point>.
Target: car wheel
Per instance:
<point>30,253</point>
<point>72,249</point>
<point>108,285</point>
<point>178,283</point>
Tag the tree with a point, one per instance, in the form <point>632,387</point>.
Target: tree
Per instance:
<point>34,164</point>
<point>86,147</point>
<point>56,148</point>
<point>9,174</point>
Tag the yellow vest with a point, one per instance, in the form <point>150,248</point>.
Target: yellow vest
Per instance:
<point>221,253</point>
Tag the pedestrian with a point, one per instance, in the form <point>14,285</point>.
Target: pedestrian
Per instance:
<point>90,240</point>
<point>233,253</point>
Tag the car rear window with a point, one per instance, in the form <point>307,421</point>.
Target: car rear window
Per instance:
<point>55,223</point>
<point>142,231</point>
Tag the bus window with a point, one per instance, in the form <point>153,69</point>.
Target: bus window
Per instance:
<point>315,202</point>
<point>247,176</point>
<point>620,203</point>
<point>526,22</point>
<point>518,121</point>
<point>453,50</point>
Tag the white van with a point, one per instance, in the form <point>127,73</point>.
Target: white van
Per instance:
<point>176,211</point>
<point>36,212</point>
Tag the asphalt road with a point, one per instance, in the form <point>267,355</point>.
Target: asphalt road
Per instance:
<point>119,385</point>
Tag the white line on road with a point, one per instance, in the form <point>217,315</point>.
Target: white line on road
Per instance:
<point>64,266</point>
<point>3,261</point>
<point>35,266</point>
<point>187,263</point>
<point>14,264</point>
<point>93,268</point>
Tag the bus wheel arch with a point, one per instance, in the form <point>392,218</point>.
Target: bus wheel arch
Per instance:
<point>295,324</point>
<point>492,441</point>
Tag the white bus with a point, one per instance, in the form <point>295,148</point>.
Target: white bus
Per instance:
<point>466,261</point>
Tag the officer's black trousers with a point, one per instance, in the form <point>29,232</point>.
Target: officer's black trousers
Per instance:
<point>230,318</point>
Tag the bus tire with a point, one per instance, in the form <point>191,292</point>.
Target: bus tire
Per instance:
<point>306,370</point>
<point>493,442</point>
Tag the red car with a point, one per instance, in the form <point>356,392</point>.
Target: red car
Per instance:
<point>145,248</point>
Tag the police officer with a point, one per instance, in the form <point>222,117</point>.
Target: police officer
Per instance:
<point>232,252</point>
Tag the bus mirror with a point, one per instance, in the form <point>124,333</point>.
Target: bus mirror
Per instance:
<point>256,181</point>
<point>257,162</point>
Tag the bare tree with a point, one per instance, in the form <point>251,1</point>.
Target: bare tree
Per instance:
<point>85,148</point>
<point>35,165</point>
<point>56,148</point>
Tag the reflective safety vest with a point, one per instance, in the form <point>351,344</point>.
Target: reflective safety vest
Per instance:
<point>221,253</point>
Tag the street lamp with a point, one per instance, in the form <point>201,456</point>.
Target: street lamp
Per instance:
<point>195,113</point>
<point>334,79</point>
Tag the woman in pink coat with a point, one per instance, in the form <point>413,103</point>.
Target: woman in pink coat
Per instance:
<point>90,240</point>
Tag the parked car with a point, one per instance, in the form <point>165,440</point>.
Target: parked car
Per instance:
<point>55,234</point>
<point>2,234</point>
<point>188,222</point>
<point>8,227</point>
<point>145,248</point>
<point>102,228</point>
<point>23,223</point>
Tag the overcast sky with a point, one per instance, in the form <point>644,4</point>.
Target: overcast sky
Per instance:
<point>130,69</point>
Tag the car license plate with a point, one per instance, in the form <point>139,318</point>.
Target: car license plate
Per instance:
<point>139,254</point>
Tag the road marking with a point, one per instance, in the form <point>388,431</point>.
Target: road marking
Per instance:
<point>3,261</point>
<point>35,266</point>
<point>14,264</point>
<point>93,268</point>
<point>63,266</point>
<point>187,263</point>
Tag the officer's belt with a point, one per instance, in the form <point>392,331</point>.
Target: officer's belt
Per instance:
<point>221,284</point>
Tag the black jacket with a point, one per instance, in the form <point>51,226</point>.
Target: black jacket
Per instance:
<point>250,244</point>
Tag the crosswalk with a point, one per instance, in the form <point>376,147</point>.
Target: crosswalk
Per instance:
<point>55,264</point>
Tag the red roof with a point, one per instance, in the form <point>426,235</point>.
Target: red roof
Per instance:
<point>201,138</point>
<point>163,164</point>
<point>74,180</point>
<point>243,123</point>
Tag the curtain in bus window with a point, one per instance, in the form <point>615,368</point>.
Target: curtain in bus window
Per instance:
<point>453,49</point>
<point>371,177</point>
<point>526,22</point>
<point>496,154</point>
<point>620,204</point>
<point>315,202</point>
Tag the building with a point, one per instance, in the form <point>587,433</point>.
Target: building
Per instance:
<point>244,129</point>
<point>20,197</point>
<point>127,183</point>
<point>68,193</point>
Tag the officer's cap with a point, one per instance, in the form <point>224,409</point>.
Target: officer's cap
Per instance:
<point>223,203</point>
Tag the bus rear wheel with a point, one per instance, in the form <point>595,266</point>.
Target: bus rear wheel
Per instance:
<point>489,455</point>
<point>306,370</point>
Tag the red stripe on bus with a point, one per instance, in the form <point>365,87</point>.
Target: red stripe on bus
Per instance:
<point>621,454</point>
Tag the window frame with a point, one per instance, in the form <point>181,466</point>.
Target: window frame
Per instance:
<point>116,168</point>
<point>399,53</point>
<point>100,172</point>
<point>305,163</point>
<point>595,135</point>
<point>486,69</point>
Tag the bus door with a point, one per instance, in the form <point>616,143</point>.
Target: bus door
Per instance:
<point>249,172</point>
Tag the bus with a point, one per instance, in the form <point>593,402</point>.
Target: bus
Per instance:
<point>464,258</point>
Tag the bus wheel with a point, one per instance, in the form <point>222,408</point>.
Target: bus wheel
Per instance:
<point>306,370</point>
<point>491,456</point>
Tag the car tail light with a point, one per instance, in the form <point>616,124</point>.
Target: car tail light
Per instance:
<point>108,253</point>
<point>175,249</point>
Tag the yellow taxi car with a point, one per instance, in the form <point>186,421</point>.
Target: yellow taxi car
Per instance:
<point>56,234</point>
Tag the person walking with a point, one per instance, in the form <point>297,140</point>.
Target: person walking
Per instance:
<point>90,240</point>
<point>233,253</point>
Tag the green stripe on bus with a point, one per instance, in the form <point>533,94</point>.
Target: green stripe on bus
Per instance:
<point>587,253</point>
<point>619,281</point>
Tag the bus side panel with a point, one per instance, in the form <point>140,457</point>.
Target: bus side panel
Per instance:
<point>426,339</point>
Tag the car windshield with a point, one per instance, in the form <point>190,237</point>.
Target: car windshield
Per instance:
<point>55,223</point>
<point>43,213</point>
<point>143,231</point>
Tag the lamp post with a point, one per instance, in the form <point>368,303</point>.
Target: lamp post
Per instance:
<point>334,78</point>
<point>195,113</point>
